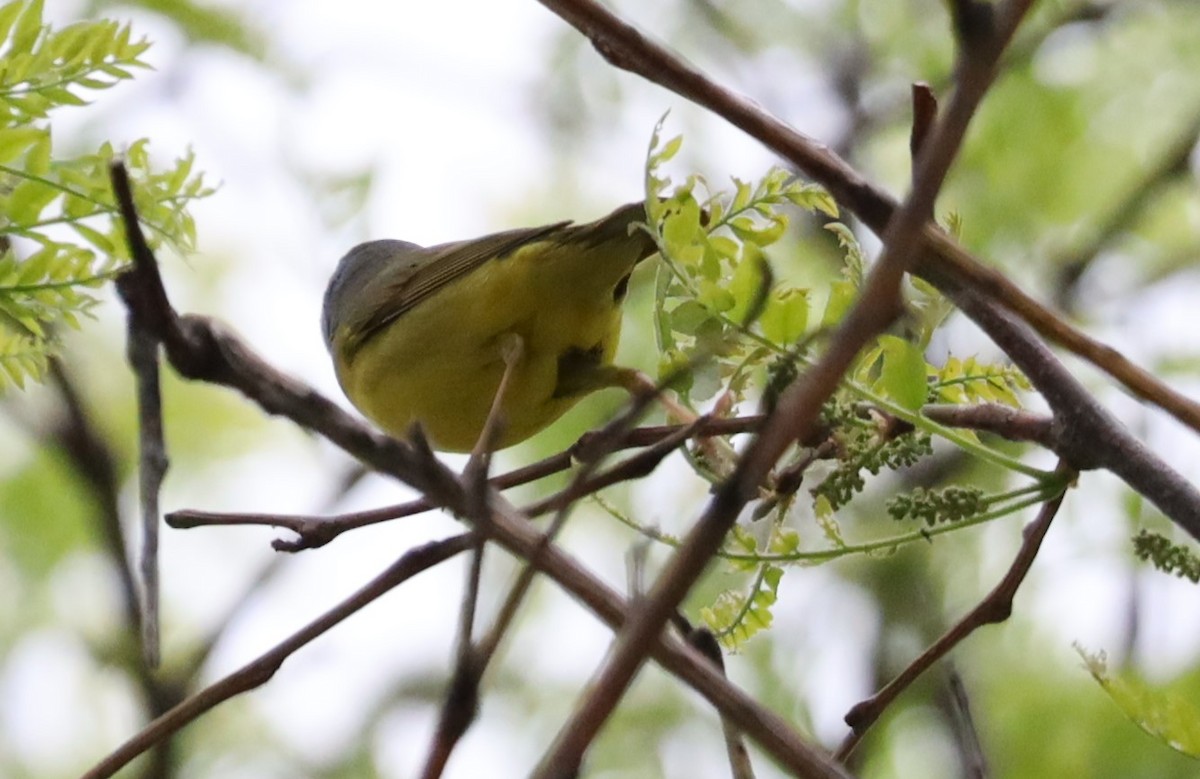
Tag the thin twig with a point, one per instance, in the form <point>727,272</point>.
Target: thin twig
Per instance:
<point>91,455</point>
<point>461,704</point>
<point>142,354</point>
<point>316,531</point>
<point>600,446</point>
<point>735,746</point>
<point>975,762</point>
<point>994,608</point>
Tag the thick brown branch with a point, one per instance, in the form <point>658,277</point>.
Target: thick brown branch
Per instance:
<point>1084,433</point>
<point>1012,423</point>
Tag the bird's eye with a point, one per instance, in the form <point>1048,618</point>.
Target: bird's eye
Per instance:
<point>621,288</point>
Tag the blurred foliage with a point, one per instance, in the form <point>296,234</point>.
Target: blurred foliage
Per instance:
<point>1093,98</point>
<point>1168,716</point>
<point>201,23</point>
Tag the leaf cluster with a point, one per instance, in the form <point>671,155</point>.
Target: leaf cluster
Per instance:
<point>60,237</point>
<point>730,333</point>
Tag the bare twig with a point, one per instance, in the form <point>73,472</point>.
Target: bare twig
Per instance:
<point>735,747</point>
<point>975,762</point>
<point>316,531</point>
<point>142,353</point>
<point>994,608</point>
<point>924,110</point>
<point>600,445</point>
<point>93,458</point>
<point>461,704</point>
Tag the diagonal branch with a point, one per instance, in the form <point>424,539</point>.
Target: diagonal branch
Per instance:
<point>799,406</point>
<point>994,608</point>
<point>259,671</point>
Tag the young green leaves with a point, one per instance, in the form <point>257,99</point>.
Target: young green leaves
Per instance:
<point>60,236</point>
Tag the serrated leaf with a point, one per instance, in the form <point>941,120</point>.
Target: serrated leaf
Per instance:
<point>813,197</point>
<point>784,541</point>
<point>823,511</point>
<point>736,617</point>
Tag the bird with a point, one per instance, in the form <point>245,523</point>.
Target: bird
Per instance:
<point>425,335</point>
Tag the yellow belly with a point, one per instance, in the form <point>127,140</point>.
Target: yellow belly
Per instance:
<point>440,364</point>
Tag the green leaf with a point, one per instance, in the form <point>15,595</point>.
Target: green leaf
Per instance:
<point>29,27</point>
<point>715,297</point>
<point>785,319</point>
<point>902,377</point>
<point>841,298</point>
<point>735,617</point>
<point>813,197</point>
<point>1167,716</point>
<point>750,286</point>
<point>8,16</point>
<point>15,141</point>
<point>688,316</point>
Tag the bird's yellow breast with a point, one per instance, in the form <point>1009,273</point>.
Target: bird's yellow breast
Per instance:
<point>441,362</point>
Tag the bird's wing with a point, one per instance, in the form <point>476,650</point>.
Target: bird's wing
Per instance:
<point>403,285</point>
